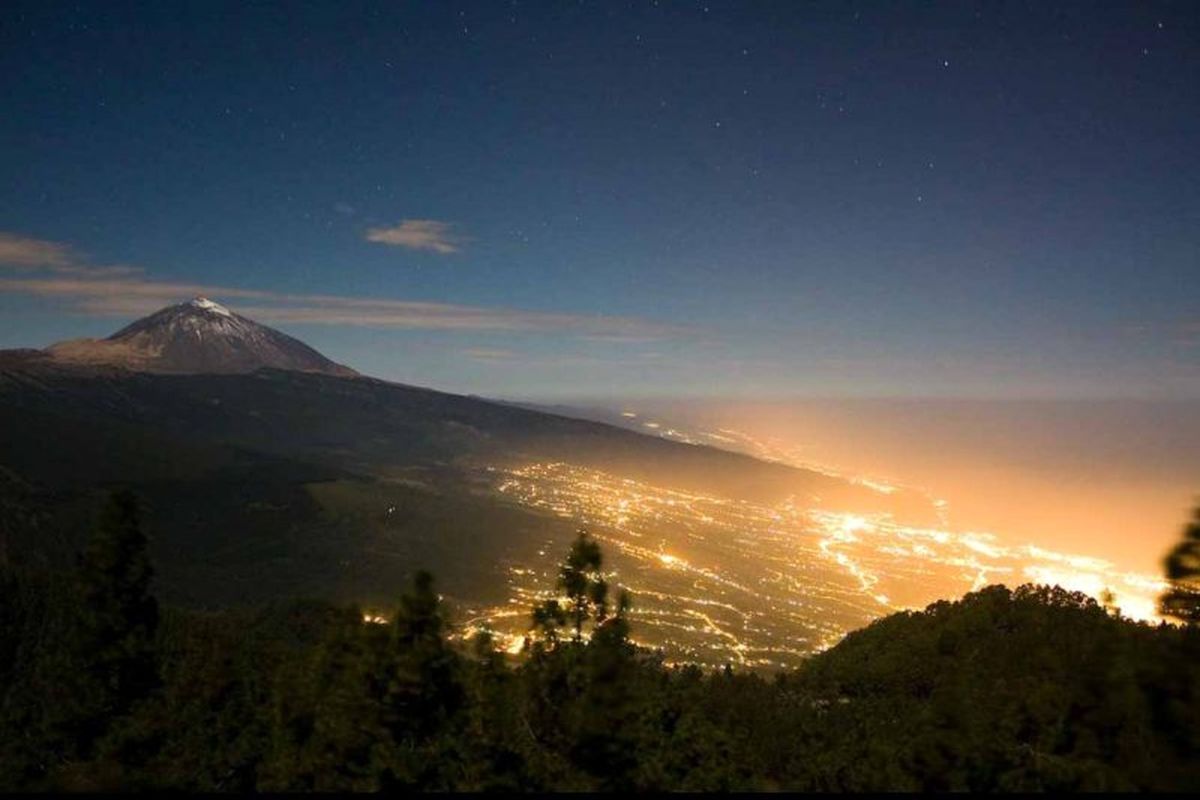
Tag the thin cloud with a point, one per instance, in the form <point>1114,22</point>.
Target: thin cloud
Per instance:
<point>123,297</point>
<point>332,310</point>
<point>489,354</point>
<point>110,271</point>
<point>23,253</point>
<point>62,274</point>
<point>418,234</point>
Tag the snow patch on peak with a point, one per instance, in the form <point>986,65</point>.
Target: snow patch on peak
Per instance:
<point>209,305</point>
<point>199,336</point>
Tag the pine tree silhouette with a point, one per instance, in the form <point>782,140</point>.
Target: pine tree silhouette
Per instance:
<point>118,619</point>
<point>1182,600</point>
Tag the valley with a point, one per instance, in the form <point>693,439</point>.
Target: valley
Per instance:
<point>272,484</point>
<point>720,581</point>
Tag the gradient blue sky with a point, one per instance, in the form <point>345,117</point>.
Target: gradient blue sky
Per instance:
<point>996,199</point>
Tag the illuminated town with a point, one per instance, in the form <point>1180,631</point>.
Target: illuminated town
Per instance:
<point>719,581</point>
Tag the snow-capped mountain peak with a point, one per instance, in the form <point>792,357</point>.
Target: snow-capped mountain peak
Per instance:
<point>199,336</point>
<point>209,305</point>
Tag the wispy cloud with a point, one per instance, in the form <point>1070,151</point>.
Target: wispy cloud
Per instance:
<point>125,297</point>
<point>23,252</point>
<point>27,254</point>
<point>59,272</point>
<point>489,354</point>
<point>418,234</point>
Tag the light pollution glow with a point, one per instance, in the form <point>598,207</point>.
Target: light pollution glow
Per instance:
<point>1111,478</point>
<point>717,580</point>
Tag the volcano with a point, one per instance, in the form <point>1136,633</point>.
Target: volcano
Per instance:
<point>198,336</point>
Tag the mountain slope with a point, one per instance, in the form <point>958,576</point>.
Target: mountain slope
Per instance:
<point>372,426</point>
<point>199,336</point>
<point>275,482</point>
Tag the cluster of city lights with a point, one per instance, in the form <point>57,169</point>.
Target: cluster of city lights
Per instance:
<point>719,580</point>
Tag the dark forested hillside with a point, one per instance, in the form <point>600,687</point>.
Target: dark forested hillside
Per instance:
<point>1027,689</point>
<point>258,489</point>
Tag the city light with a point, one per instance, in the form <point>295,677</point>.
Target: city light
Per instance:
<point>717,580</point>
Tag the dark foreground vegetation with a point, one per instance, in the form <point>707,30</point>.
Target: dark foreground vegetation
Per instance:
<point>1032,689</point>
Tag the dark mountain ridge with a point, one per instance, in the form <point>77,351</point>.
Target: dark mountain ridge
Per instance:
<point>368,424</point>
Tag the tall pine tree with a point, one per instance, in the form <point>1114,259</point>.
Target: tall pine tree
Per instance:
<point>117,621</point>
<point>1182,600</point>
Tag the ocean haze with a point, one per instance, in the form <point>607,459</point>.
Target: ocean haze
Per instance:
<point>1112,479</point>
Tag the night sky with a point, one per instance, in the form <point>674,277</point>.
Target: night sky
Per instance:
<point>536,199</point>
